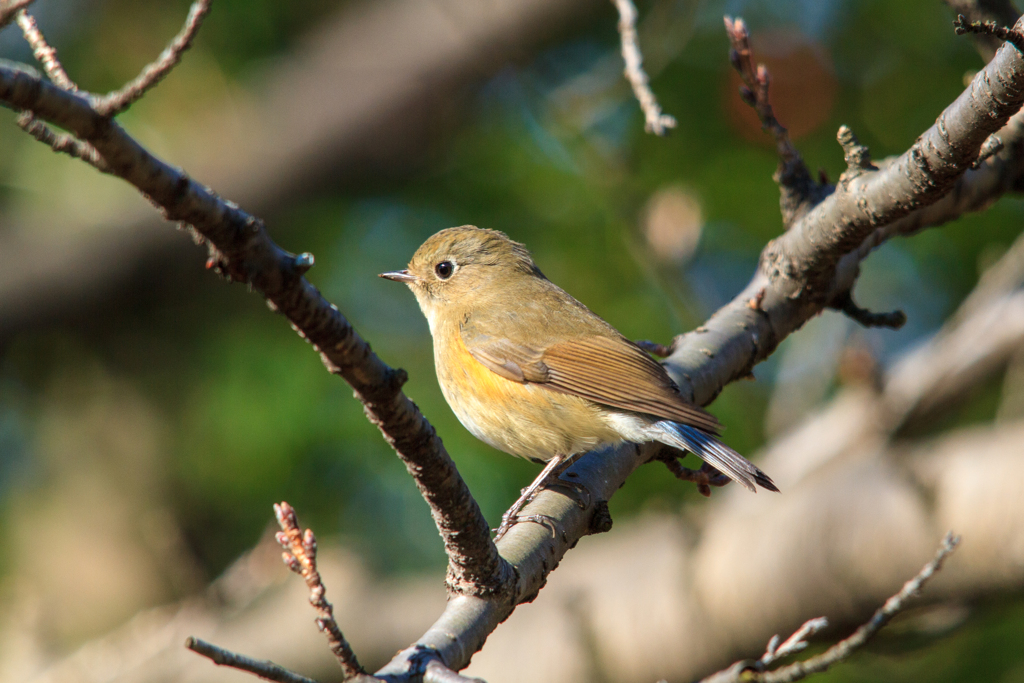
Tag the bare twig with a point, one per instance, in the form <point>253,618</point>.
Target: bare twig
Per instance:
<point>116,102</point>
<point>8,8</point>
<point>795,643</point>
<point>41,50</point>
<point>1012,36</point>
<point>892,319</point>
<point>856,155</point>
<point>654,348</point>
<point>62,142</point>
<point>656,121</point>
<point>795,182</point>
<point>263,668</point>
<point>300,556</point>
<point>1001,11</point>
<point>747,670</point>
<point>862,635</point>
<point>705,477</point>
<point>993,145</point>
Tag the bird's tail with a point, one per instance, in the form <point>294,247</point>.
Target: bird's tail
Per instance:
<point>714,452</point>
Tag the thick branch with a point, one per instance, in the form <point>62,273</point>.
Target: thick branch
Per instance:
<point>736,338</point>
<point>243,251</point>
<point>801,262</point>
<point>817,259</point>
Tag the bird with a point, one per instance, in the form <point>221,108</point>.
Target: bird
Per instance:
<point>533,372</point>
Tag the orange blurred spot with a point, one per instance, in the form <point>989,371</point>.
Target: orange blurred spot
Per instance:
<point>803,85</point>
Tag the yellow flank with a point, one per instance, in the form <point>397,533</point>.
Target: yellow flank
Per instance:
<point>523,419</point>
<point>481,381</point>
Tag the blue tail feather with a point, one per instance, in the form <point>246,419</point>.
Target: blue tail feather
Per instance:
<point>714,452</point>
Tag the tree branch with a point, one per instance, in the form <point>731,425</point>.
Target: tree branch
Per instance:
<point>921,176</point>
<point>817,259</point>
<point>261,667</point>
<point>61,142</point>
<point>656,121</point>
<point>798,191</point>
<point>755,671</point>
<point>242,250</point>
<point>116,102</point>
<point>1001,11</point>
<point>962,26</point>
<point>41,50</point>
<point>485,589</point>
<point>893,319</point>
<point>300,556</point>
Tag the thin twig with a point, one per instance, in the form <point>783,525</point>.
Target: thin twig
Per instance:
<point>654,348</point>
<point>65,143</point>
<point>893,320</point>
<point>705,477</point>
<point>264,668</point>
<point>8,8</point>
<point>961,26</point>
<point>1001,11</point>
<point>749,670</point>
<point>43,52</point>
<point>656,121</point>
<point>856,155</point>
<point>862,635</point>
<point>795,643</point>
<point>115,102</point>
<point>300,556</point>
<point>799,191</point>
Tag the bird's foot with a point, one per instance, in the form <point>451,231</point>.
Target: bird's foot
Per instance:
<point>550,476</point>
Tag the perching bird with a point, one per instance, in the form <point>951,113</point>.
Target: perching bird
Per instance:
<point>533,372</point>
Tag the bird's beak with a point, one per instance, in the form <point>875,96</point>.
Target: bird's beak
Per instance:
<point>400,276</point>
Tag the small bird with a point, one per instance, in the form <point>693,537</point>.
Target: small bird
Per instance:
<point>531,371</point>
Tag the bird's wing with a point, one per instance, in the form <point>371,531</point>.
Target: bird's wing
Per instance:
<point>608,370</point>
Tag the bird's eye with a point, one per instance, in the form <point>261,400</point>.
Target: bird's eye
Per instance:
<point>444,269</point>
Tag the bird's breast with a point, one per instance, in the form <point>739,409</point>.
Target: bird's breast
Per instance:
<point>523,419</point>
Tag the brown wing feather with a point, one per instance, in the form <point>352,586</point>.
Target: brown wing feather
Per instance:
<point>606,370</point>
<point>618,373</point>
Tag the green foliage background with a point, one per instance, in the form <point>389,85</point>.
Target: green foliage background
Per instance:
<point>251,416</point>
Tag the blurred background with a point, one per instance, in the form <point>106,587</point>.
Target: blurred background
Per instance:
<point>150,414</point>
